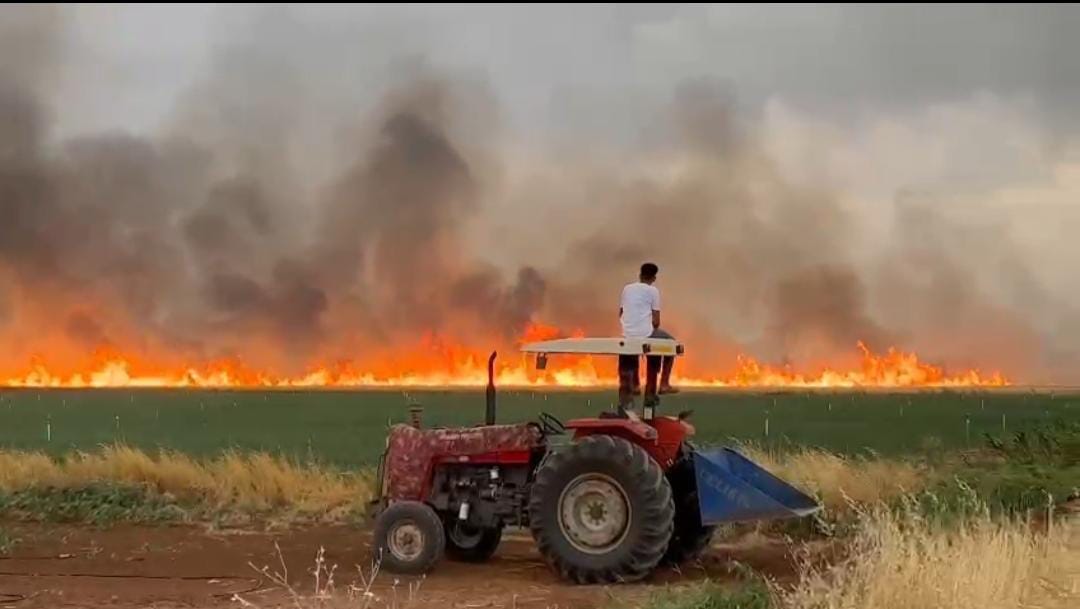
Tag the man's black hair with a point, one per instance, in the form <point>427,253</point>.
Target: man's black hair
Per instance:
<point>649,270</point>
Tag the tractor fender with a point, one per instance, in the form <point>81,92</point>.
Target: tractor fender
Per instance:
<point>635,431</point>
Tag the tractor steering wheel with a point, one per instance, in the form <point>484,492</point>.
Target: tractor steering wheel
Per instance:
<point>551,426</point>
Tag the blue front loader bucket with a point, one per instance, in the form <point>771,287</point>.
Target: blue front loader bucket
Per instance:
<point>732,488</point>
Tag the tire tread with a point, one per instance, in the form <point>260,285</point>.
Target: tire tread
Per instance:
<point>657,508</point>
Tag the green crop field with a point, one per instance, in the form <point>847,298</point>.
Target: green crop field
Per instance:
<point>347,428</point>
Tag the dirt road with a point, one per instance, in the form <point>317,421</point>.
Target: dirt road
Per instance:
<point>185,566</point>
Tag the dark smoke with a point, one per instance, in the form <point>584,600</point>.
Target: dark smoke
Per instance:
<point>217,237</point>
<point>819,312</point>
<point>733,240</point>
<point>403,205</point>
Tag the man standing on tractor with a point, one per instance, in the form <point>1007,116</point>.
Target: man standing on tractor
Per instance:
<point>639,314</point>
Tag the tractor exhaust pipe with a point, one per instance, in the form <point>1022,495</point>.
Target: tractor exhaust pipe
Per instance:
<point>489,417</point>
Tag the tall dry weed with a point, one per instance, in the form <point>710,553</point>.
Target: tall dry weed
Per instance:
<point>837,481</point>
<point>243,481</point>
<point>898,560</point>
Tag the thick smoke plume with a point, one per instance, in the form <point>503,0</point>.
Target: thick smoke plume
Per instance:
<point>266,224</point>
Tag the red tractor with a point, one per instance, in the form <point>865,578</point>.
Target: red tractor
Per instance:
<point>625,494</point>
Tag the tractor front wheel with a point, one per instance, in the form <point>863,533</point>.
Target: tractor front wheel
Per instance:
<point>601,511</point>
<point>471,544</point>
<point>409,538</point>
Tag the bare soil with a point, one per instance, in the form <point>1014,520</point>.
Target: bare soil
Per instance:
<point>123,567</point>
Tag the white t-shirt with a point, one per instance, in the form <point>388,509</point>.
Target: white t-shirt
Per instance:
<point>639,300</point>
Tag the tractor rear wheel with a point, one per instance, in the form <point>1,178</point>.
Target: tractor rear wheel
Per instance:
<point>601,511</point>
<point>409,538</point>
<point>471,544</point>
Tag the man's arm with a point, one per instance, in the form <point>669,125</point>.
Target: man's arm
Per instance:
<point>656,308</point>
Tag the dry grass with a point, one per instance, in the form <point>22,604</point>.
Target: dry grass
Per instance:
<point>247,482</point>
<point>325,594</point>
<point>902,562</point>
<point>838,481</point>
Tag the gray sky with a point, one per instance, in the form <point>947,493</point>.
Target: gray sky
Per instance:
<point>556,68</point>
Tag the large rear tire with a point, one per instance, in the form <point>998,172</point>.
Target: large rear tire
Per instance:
<point>601,511</point>
<point>409,538</point>
<point>467,544</point>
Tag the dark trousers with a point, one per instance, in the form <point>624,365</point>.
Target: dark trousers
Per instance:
<point>655,366</point>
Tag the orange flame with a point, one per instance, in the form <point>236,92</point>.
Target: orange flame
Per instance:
<point>436,363</point>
